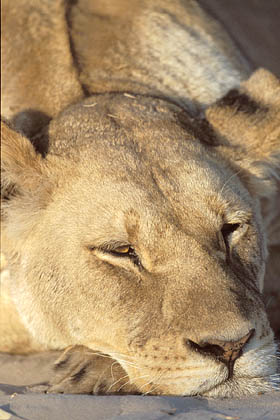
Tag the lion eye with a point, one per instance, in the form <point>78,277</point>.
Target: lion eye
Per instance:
<point>227,230</point>
<point>125,249</point>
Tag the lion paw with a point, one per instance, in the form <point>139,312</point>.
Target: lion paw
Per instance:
<point>80,370</point>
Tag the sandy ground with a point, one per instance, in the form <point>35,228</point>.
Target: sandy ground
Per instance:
<point>17,401</point>
<point>20,402</point>
<point>255,26</point>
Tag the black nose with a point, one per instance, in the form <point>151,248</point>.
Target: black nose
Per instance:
<point>225,351</point>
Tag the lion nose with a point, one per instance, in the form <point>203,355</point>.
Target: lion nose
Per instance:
<point>225,351</point>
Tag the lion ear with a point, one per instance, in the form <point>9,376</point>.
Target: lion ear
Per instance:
<point>21,166</point>
<point>247,121</point>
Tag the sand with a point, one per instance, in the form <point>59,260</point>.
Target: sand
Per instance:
<point>255,26</point>
<point>19,401</point>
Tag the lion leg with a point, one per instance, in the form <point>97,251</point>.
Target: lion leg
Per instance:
<point>14,337</point>
<point>79,370</point>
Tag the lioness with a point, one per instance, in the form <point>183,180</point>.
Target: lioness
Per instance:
<point>139,197</point>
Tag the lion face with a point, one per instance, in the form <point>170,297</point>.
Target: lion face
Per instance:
<point>137,239</point>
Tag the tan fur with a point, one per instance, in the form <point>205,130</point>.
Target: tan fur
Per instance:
<point>32,84</point>
<point>138,163</point>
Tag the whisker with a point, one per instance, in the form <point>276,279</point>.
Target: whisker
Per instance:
<point>232,176</point>
<point>116,355</point>
<point>111,386</point>
<point>128,364</point>
<point>132,379</point>
<point>155,378</point>
<point>122,355</point>
<point>153,389</point>
<point>269,302</point>
<point>114,363</point>
<point>105,356</point>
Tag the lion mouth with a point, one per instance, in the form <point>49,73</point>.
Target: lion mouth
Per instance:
<point>235,387</point>
<point>255,374</point>
<point>247,381</point>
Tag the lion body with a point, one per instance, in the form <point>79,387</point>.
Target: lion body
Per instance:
<point>139,146</point>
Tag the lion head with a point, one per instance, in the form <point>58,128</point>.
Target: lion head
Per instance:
<point>141,235</point>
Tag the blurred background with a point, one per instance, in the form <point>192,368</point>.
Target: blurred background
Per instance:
<point>255,27</point>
